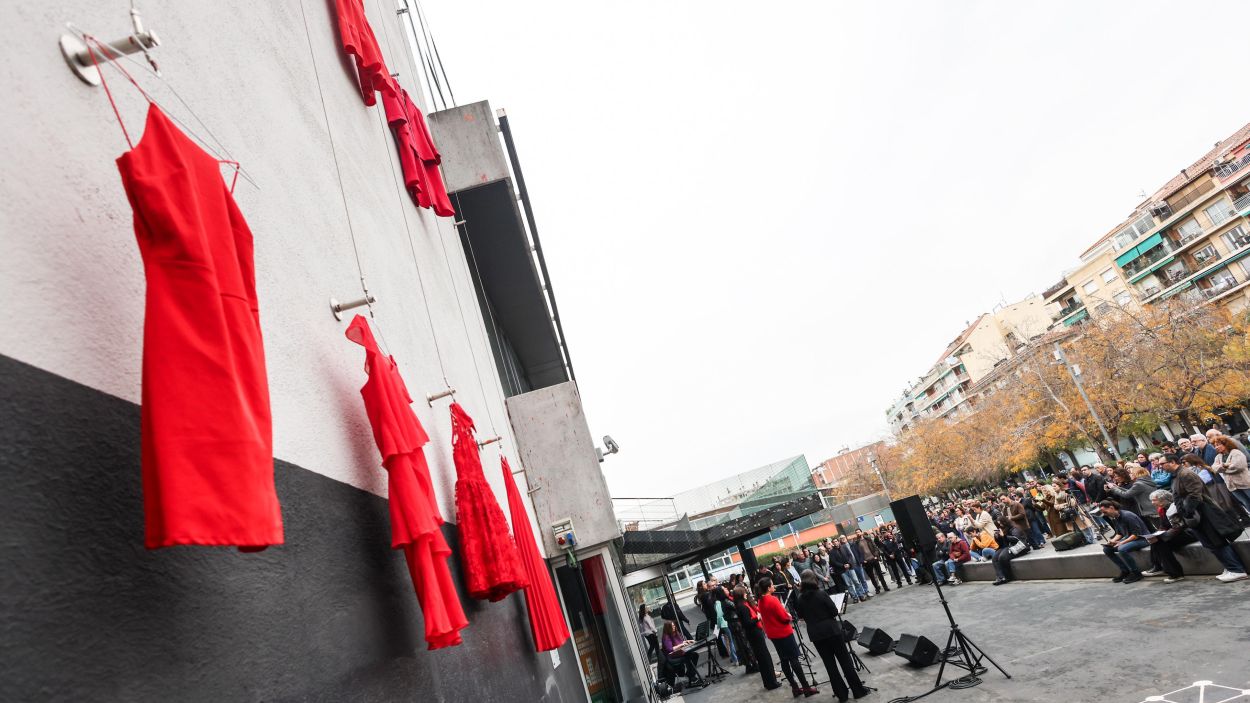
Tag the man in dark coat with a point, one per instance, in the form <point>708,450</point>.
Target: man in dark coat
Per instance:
<point>1216,529</point>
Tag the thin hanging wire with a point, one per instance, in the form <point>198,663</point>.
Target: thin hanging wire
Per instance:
<point>400,194</point>
<point>426,57</point>
<point>416,48</point>
<point>334,152</point>
<point>185,127</point>
<point>434,45</point>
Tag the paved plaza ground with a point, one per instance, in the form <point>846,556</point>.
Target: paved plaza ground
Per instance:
<point>1069,640</point>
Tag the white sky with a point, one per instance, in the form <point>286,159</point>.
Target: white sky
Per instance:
<point>762,220</point>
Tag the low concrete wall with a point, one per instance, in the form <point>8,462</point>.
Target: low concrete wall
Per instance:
<point>1088,562</point>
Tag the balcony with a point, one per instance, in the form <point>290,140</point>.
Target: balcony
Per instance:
<point>1219,286</point>
<point>1189,236</point>
<point>1242,205</point>
<point>1143,263</point>
<point>1237,238</point>
<point>1203,260</point>
<point>1072,307</point>
<point>1178,273</point>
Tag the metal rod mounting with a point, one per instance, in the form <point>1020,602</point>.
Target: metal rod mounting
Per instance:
<point>337,308</point>
<point>430,398</point>
<point>485,442</point>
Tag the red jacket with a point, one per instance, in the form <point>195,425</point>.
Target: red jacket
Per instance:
<point>959,551</point>
<point>774,618</point>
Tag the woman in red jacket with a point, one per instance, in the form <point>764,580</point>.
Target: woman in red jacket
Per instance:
<point>777,626</point>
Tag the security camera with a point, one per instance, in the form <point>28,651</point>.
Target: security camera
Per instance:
<point>611,444</point>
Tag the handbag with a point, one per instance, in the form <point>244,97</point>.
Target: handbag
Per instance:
<point>1017,549</point>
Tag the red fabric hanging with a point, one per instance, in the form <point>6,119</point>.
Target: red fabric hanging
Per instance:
<point>492,567</point>
<point>415,519</point>
<point>546,618</point>
<point>206,429</point>
<point>358,40</point>
<point>418,158</point>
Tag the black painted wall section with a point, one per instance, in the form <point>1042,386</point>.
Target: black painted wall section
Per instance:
<point>90,615</point>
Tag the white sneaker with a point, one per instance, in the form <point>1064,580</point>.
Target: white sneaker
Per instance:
<point>1152,572</point>
<point>1230,576</point>
<point>1173,579</point>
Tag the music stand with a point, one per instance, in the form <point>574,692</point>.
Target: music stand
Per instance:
<point>840,601</point>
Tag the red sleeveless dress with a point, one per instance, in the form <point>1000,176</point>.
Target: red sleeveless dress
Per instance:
<point>492,567</point>
<point>415,519</point>
<point>207,437</point>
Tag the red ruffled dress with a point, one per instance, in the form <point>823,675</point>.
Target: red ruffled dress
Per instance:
<point>492,567</point>
<point>415,519</point>
<point>546,618</point>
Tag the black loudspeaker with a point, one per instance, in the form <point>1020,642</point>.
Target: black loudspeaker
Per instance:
<point>875,640</point>
<point>914,524</point>
<point>918,650</point>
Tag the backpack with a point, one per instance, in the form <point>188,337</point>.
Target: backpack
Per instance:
<point>1071,540</point>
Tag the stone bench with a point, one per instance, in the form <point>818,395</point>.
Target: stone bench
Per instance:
<point>1089,562</point>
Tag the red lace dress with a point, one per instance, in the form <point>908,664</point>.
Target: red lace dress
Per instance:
<point>492,567</point>
<point>415,519</point>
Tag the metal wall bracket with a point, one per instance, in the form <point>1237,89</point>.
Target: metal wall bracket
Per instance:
<point>486,442</point>
<point>337,308</point>
<point>78,56</point>
<point>430,398</point>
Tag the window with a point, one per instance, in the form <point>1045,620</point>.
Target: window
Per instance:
<point>1222,281</point>
<point>1129,234</point>
<point>1245,266</point>
<point>1102,308</point>
<point>1237,238</point>
<point>1187,230</point>
<point>1108,275</point>
<point>1205,255</point>
<point>1123,298</point>
<point>1090,287</point>
<point>1219,212</point>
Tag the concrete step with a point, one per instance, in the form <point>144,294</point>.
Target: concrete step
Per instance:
<point>1089,562</point>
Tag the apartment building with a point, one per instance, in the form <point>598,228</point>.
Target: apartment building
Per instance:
<point>993,337</point>
<point>1191,239</point>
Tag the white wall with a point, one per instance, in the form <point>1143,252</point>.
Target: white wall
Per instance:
<point>70,273</point>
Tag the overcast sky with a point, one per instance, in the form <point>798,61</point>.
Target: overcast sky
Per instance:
<point>762,220</point>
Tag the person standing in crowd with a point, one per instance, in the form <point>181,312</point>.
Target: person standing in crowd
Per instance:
<point>1231,465</point>
<point>1135,496</point>
<point>646,626</point>
<point>1130,536</point>
<point>1017,517</point>
<point>674,614</point>
<point>872,562</point>
<point>963,522</point>
<point>777,626</point>
<point>825,633</point>
<point>749,618</point>
<point>1215,528</point>
<point>821,571</point>
<point>892,552</point>
<point>1037,521</point>
<point>1161,478</point>
<point>1047,498</point>
<point>1215,490</point>
<point>849,561</point>
<point>982,518</point>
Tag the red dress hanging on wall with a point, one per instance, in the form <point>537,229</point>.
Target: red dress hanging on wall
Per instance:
<point>492,568</point>
<point>207,439</point>
<point>415,519</point>
<point>359,41</point>
<point>546,618</point>
<point>418,157</point>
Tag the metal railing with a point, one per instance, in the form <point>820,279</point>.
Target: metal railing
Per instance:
<point>1077,304</point>
<point>1204,261</point>
<point>1191,236</point>
<point>1242,204</point>
<point>1147,260</point>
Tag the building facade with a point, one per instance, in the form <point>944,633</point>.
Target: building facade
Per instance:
<point>991,338</point>
<point>330,614</point>
<point>1189,239</point>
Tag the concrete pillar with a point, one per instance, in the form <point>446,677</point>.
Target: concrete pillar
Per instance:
<point>1244,415</point>
<point>1167,432</point>
<point>749,563</point>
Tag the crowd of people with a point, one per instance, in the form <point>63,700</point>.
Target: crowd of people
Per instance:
<point>1197,490</point>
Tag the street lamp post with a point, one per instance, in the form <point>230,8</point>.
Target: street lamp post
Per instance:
<point>872,460</point>
<point>1076,378</point>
